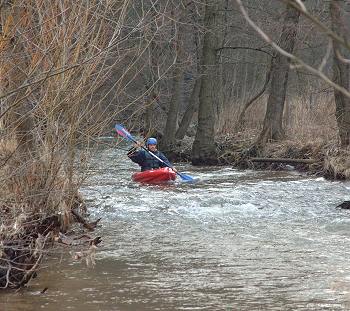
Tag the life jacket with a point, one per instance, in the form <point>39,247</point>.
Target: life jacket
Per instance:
<point>150,162</point>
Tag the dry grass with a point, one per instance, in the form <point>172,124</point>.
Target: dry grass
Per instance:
<point>316,124</point>
<point>337,163</point>
<point>311,133</point>
<point>302,123</point>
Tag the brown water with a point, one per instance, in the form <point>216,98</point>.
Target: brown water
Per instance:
<point>235,240</point>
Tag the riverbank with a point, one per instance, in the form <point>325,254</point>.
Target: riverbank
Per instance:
<point>38,212</point>
<point>28,237</point>
<point>318,158</point>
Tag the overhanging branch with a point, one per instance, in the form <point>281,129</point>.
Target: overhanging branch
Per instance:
<point>292,57</point>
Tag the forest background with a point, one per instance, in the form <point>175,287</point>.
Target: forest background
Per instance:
<point>218,82</point>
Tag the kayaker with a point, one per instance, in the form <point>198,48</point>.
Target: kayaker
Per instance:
<point>145,159</point>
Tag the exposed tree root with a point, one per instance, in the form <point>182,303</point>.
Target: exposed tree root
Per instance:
<point>22,249</point>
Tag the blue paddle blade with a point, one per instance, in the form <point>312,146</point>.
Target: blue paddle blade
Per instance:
<point>185,177</point>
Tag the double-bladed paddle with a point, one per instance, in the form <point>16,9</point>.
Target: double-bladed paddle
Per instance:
<point>124,133</point>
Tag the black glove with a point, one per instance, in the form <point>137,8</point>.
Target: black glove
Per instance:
<point>131,151</point>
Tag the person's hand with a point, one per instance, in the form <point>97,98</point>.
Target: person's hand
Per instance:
<point>138,144</point>
<point>131,151</point>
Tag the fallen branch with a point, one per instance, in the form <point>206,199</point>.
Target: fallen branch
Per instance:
<point>90,226</point>
<point>284,160</point>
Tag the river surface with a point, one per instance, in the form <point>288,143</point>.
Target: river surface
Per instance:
<point>235,240</point>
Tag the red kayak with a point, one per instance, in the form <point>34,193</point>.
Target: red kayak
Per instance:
<point>159,175</point>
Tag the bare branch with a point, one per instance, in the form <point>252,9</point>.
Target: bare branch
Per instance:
<point>292,57</point>
<point>326,56</point>
<point>341,58</point>
<point>302,6</point>
<point>319,24</point>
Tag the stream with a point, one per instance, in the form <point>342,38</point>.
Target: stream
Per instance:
<point>235,240</point>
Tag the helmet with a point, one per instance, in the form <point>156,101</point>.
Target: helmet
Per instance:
<point>151,141</point>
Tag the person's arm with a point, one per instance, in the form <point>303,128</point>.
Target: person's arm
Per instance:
<point>165,159</point>
<point>134,149</point>
<point>136,156</point>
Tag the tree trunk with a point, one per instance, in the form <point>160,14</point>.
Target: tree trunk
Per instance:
<point>203,150</point>
<point>151,75</point>
<point>148,127</point>
<point>341,70</point>
<point>190,110</point>
<point>240,122</point>
<point>168,140</point>
<point>273,127</point>
<point>193,102</point>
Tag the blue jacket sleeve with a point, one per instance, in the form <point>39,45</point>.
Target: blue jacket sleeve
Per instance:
<point>137,157</point>
<point>164,158</point>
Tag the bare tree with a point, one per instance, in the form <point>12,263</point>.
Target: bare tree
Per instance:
<point>341,69</point>
<point>240,122</point>
<point>168,140</point>
<point>53,58</point>
<point>203,150</point>
<point>340,42</point>
<point>193,101</point>
<point>191,108</point>
<point>273,122</point>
